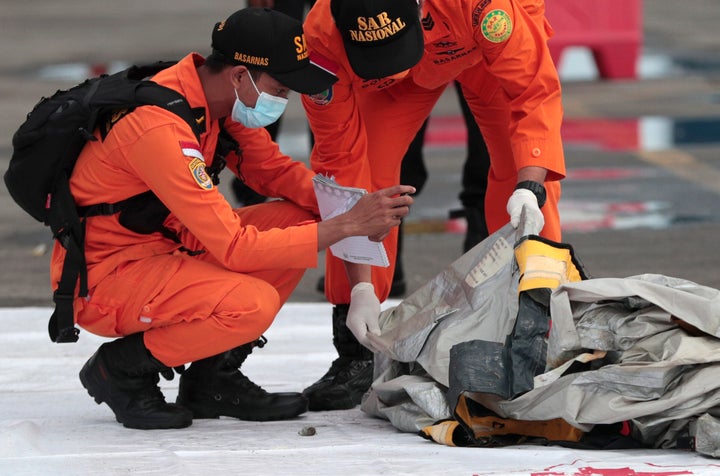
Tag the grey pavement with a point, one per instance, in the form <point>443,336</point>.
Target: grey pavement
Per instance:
<point>667,189</point>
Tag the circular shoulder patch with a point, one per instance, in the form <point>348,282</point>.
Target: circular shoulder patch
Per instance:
<point>323,98</point>
<point>497,26</point>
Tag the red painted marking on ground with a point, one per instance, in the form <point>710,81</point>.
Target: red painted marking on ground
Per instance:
<point>446,131</point>
<point>609,173</point>
<point>592,217</point>
<point>628,207</point>
<point>589,471</point>
<point>96,69</point>
<point>602,134</point>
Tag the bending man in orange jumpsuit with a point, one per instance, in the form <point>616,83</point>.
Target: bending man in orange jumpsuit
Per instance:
<point>393,59</point>
<point>208,280</point>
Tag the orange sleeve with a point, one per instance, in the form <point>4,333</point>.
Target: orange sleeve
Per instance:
<point>521,62</point>
<point>267,170</point>
<point>340,138</point>
<point>166,161</point>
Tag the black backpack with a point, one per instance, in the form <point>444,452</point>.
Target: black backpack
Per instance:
<point>45,149</point>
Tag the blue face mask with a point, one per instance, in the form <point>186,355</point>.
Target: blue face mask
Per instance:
<point>267,110</point>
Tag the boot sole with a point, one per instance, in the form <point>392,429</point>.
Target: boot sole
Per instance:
<point>85,381</point>
<point>213,411</point>
<point>334,397</point>
<point>94,389</point>
<point>328,404</point>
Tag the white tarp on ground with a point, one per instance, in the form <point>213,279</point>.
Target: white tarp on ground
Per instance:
<point>49,425</point>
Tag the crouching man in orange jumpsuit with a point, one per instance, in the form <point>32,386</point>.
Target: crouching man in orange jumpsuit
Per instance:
<point>209,281</point>
<point>393,60</point>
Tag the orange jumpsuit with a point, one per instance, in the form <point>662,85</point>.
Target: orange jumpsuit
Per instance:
<point>497,50</point>
<point>190,306</point>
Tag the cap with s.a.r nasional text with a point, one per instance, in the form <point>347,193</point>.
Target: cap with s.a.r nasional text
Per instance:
<point>270,41</point>
<point>381,37</point>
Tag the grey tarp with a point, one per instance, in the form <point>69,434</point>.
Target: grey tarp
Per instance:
<point>475,298</point>
<point>651,340</point>
<point>658,372</point>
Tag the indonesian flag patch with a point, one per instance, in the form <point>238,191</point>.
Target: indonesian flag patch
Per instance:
<point>324,97</point>
<point>197,165</point>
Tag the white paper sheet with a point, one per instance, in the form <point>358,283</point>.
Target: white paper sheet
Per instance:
<point>333,200</point>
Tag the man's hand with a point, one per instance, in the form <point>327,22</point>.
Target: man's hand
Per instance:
<point>373,216</point>
<point>379,211</point>
<point>534,219</point>
<point>364,313</point>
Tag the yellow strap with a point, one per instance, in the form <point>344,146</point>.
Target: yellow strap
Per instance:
<point>556,429</point>
<point>442,432</point>
<point>543,265</point>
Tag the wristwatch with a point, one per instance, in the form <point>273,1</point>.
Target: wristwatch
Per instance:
<point>535,187</point>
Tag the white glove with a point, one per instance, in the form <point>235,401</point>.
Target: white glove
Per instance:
<point>364,313</point>
<point>534,219</point>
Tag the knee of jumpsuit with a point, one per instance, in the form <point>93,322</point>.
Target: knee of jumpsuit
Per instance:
<point>241,316</point>
<point>248,309</point>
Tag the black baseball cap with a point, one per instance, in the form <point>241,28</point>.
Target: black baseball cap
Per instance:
<point>273,42</point>
<point>382,37</point>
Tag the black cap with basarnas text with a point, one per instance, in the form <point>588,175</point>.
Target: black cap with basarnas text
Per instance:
<point>273,42</point>
<point>381,37</point>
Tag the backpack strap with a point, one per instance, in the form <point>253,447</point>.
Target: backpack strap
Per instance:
<point>70,232</point>
<point>226,144</point>
<point>150,93</point>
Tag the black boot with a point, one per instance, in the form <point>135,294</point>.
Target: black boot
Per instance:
<point>350,375</point>
<point>397,288</point>
<point>215,387</point>
<point>476,227</point>
<point>124,374</point>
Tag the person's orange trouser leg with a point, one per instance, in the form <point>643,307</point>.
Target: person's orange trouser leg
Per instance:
<point>189,307</point>
<point>392,118</point>
<point>491,109</point>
